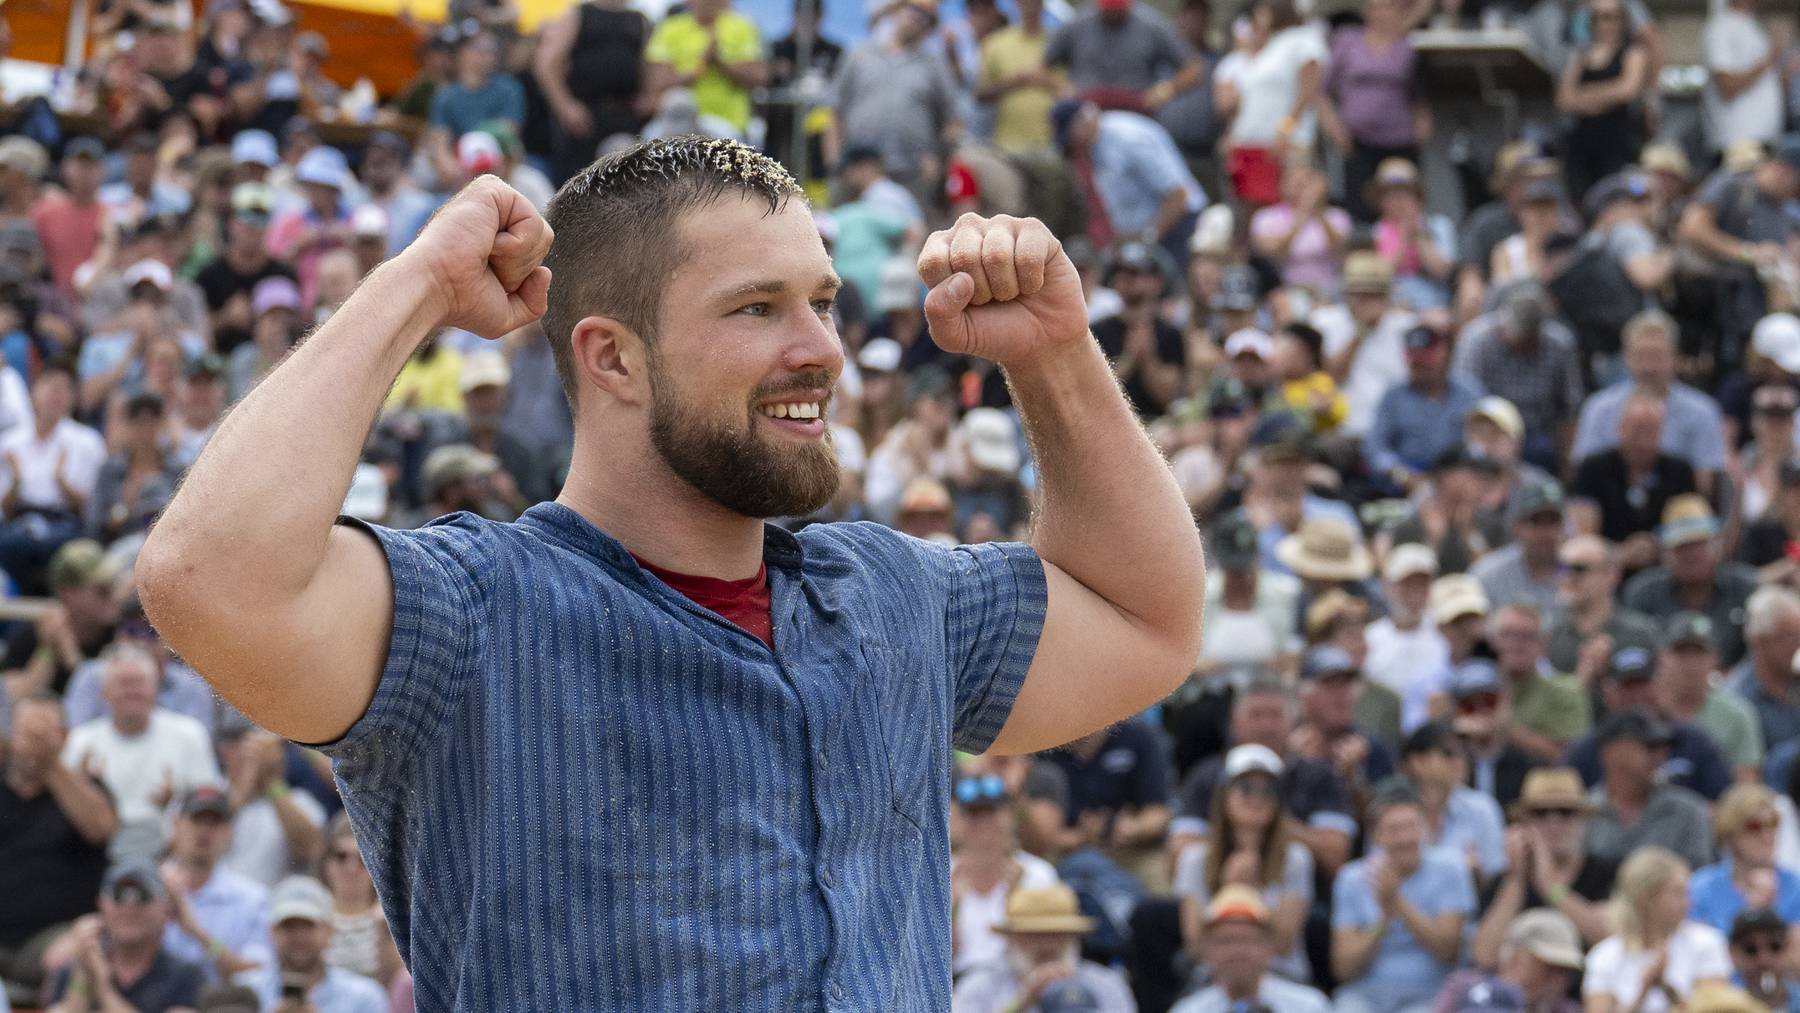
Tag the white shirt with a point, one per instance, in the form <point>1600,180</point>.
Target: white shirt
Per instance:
<point>259,847</point>
<point>1270,85</point>
<point>1734,42</point>
<point>86,452</point>
<point>978,913</point>
<point>1380,362</point>
<point>172,746</point>
<point>1398,658</point>
<point>1696,952</point>
<point>15,402</point>
<point>1277,995</point>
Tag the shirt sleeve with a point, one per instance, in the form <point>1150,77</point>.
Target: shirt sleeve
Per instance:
<point>1298,881</point>
<point>438,609</point>
<point>995,616</point>
<point>1599,975</point>
<point>1352,905</point>
<point>742,44</point>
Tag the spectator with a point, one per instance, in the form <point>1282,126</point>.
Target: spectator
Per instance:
<point>1459,609</point>
<point>199,406</point>
<point>1620,266</point>
<point>1738,220</point>
<point>1694,576</point>
<point>138,479</point>
<point>590,69</point>
<point>1417,421</point>
<point>1326,553</point>
<point>1527,570</point>
<point>1743,93</point>
<point>1404,645</point>
<point>1250,612</point>
<point>1692,431</point>
<point>360,941</point>
<point>480,91</point>
<point>1518,352</point>
<point>388,184</point>
<point>230,278</point>
<point>1774,360</point>
<point>1418,244</point>
<point>1119,797</point>
<point>897,96</point>
<point>55,821</point>
<point>1746,878</point>
<point>1239,943</point>
<point>1398,916</point>
<point>1771,449</point>
<point>1766,676</point>
<point>1483,724</point>
<point>1599,89</point>
<point>1760,961</point>
<point>1621,493</point>
<point>1017,79</point>
<point>220,918</point>
<point>985,480</point>
<point>1303,234</point>
<point>1495,430</point>
<point>1686,692</point>
<point>69,220</point>
<point>1538,963</point>
<point>44,656</point>
<point>916,447</point>
<point>1460,821</point>
<point>275,828</point>
<point>1146,351</point>
<point>1658,958</point>
<point>1329,680</point>
<point>987,866</point>
<point>1127,53</point>
<point>1307,390</point>
<point>1374,111</point>
<point>1276,100</point>
<point>305,234</point>
<point>1548,866</point>
<point>1515,165</point>
<point>1365,337</point>
<point>1449,513</point>
<point>1589,623</point>
<point>275,306</point>
<point>1043,970</point>
<point>1549,710</point>
<point>1632,808</point>
<point>1524,255</point>
<point>1133,177</point>
<point>1694,761</point>
<point>145,755</point>
<point>300,910</point>
<point>179,688</point>
<point>118,959</point>
<point>47,473</point>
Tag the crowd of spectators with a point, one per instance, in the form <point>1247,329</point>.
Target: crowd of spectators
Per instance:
<point>1497,707</point>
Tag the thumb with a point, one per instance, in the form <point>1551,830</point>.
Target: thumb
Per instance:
<point>944,306</point>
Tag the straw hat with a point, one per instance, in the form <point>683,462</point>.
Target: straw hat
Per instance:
<point>1326,548</point>
<point>1551,788</point>
<point>1045,910</point>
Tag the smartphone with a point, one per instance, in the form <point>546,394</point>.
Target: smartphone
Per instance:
<point>293,988</point>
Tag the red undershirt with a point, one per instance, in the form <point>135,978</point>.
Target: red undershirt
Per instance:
<point>744,603</point>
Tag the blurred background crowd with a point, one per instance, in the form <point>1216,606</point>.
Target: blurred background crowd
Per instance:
<point>1489,421</point>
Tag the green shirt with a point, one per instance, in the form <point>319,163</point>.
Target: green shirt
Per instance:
<point>1552,706</point>
<point>1733,727</point>
<point>680,42</point>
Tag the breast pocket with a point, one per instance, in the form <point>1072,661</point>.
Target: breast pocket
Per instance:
<point>909,715</point>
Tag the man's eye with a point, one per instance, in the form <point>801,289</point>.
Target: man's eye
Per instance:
<point>824,306</point>
<point>756,309</point>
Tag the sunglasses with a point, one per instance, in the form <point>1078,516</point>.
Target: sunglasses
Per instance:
<point>1561,814</point>
<point>1259,787</point>
<point>132,894</point>
<point>1578,569</point>
<point>1758,827</point>
<point>987,789</point>
<point>1478,703</point>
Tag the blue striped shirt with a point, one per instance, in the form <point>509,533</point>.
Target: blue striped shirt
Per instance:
<point>577,790</point>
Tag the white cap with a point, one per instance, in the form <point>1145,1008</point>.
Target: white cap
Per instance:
<point>1500,412</point>
<point>1249,340</point>
<point>484,369</point>
<point>1776,337</point>
<point>992,440</point>
<point>1408,559</point>
<point>1212,234</point>
<point>299,897</point>
<point>1250,758</point>
<point>153,271</point>
<point>255,147</point>
<point>881,355</point>
<point>369,220</point>
<point>479,152</point>
<point>324,166</point>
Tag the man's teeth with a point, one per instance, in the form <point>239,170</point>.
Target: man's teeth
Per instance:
<point>797,410</point>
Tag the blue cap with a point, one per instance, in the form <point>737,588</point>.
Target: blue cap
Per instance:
<point>1325,660</point>
<point>1062,119</point>
<point>257,147</point>
<point>1476,675</point>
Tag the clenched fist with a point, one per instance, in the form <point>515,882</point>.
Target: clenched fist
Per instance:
<point>483,253</point>
<point>1001,289</point>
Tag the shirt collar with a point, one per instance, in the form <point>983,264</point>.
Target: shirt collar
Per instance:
<point>781,550</point>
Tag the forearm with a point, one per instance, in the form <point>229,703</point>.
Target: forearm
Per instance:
<point>1441,936</point>
<point>1352,950</point>
<point>1490,932</point>
<point>750,74</point>
<point>304,838</point>
<point>1543,747</point>
<point>83,803</point>
<point>1100,473</point>
<point>1330,848</point>
<point>271,480</point>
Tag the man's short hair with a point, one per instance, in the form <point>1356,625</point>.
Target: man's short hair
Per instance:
<point>1649,322</point>
<point>1767,606</point>
<point>618,235</point>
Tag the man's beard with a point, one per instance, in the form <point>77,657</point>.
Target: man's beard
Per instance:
<point>739,469</point>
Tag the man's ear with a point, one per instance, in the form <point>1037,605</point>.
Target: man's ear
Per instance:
<point>607,354</point>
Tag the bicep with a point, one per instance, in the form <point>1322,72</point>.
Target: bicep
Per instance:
<point>1061,699</point>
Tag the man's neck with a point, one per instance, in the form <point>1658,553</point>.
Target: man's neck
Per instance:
<point>46,426</point>
<point>245,259</point>
<point>1241,990</point>
<point>131,728</point>
<point>1629,797</point>
<point>1775,680</point>
<point>131,961</point>
<point>636,499</point>
<point>196,870</point>
<point>1431,386</point>
<point>1680,699</point>
<point>1658,388</point>
<point>1592,613</point>
<point>1540,568</point>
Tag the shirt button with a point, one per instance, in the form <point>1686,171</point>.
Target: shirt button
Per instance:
<point>837,990</point>
<point>825,878</point>
<point>819,757</point>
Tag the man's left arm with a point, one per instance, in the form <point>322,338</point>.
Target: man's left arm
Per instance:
<point>1122,559</point>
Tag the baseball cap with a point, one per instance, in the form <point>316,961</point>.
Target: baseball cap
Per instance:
<point>1637,725</point>
<point>253,201</point>
<point>391,142</point>
<point>485,369</point>
<point>1666,157</point>
<point>1141,257</point>
<point>925,495</point>
<point>299,898</point>
<point>1249,758</point>
<point>1534,499</point>
<point>1367,271</point>
<point>1238,289</point>
<point>1472,676</point>
<point>134,872</point>
<point>991,439</point>
<point>80,563</point>
<point>1776,398</point>
<point>322,166</point>
<point>880,355</point>
<point>1549,936</point>
<point>1228,398</point>
<point>1431,737</point>
<point>211,364</point>
<point>1627,185</point>
<point>1325,661</point>
<point>255,147</point>
<point>150,271</point>
<point>1489,995</point>
<point>24,156</point>
<point>206,800</point>
<point>1501,413</point>
<point>1062,120</point>
<point>1421,337</point>
<point>1213,232</point>
<point>1279,436</point>
<point>1404,561</point>
<point>275,292</point>
<point>1689,628</point>
<point>1631,664</point>
<point>1777,339</point>
<point>1464,455</point>
<point>1232,542</point>
<point>479,152</point>
<point>370,221</point>
<point>1237,903</point>
<point>1249,341</point>
<point>455,462</point>
<point>1455,595</point>
<point>85,147</point>
<point>1687,518</point>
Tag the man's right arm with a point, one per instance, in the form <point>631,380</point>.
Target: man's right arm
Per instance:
<point>246,575</point>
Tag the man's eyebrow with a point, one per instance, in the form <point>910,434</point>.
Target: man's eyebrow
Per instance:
<point>775,286</point>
